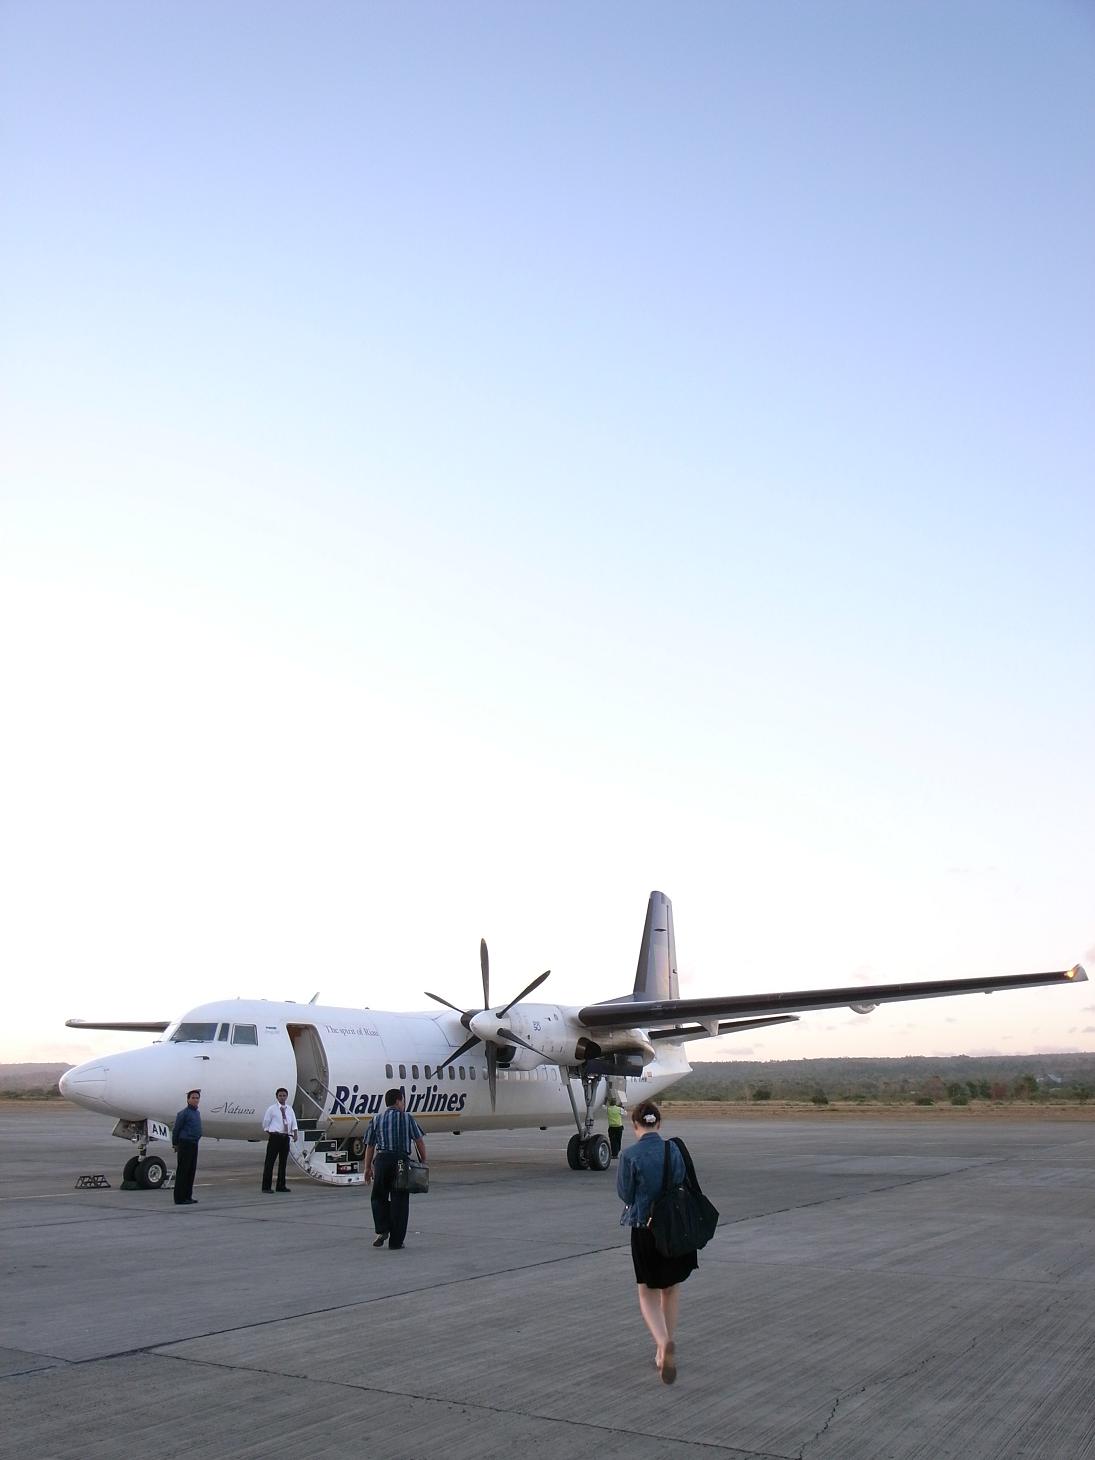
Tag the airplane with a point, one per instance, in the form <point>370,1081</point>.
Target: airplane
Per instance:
<point>508,1066</point>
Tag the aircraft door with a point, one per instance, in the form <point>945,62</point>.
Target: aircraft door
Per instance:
<point>310,1096</point>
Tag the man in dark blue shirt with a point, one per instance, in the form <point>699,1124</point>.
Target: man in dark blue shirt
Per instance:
<point>185,1135</point>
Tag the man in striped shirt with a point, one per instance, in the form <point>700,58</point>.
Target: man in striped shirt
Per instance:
<point>389,1136</point>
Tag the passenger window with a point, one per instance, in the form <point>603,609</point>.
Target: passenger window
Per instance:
<point>388,1072</point>
<point>402,1072</point>
<point>427,1070</point>
<point>222,1033</point>
<point>245,1034</point>
<point>414,1072</point>
<point>194,1034</point>
<point>471,1071</point>
<point>462,1076</point>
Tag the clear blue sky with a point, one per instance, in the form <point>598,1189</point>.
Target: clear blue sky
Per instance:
<point>467,465</point>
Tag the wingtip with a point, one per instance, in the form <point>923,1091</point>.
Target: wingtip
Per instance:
<point>1077,973</point>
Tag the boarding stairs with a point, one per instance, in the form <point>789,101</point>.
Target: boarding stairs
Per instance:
<point>329,1148</point>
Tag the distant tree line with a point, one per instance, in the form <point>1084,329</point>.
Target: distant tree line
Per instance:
<point>924,1080</point>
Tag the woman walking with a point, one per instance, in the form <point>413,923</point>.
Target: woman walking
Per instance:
<point>639,1183</point>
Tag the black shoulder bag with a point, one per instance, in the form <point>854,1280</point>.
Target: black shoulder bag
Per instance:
<point>681,1218</point>
<point>411,1175</point>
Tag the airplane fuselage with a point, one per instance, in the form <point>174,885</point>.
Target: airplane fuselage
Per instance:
<point>338,1062</point>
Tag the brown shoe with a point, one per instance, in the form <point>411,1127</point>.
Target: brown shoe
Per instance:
<point>669,1364</point>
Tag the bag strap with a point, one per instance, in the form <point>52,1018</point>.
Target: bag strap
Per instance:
<point>665,1170</point>
<point>689,1167</point>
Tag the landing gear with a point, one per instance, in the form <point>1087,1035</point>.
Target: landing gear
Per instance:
<point>597,1153</point>
<point>151,1172</point>
<point>586,1151</point>
<point>354,1146</point>
<point>142,1171</point>
<point>591,1154</point>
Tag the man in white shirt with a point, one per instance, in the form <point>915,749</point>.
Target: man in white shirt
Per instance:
<point>280,1125</point>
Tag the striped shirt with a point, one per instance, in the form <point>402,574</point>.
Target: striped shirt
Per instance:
<point>393,1130</point>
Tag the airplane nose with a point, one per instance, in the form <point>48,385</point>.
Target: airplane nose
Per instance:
<point>85,1085</point>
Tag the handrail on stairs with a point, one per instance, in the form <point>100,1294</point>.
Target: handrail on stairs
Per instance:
<point>329,1119</point>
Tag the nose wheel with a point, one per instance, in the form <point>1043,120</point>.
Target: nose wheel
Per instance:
<point>142,1170</point>
<point>151,1173</point>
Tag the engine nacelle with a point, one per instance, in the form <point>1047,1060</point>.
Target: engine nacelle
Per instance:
<point>558,1037</point>
<point>615,1065</point>
<point>631,1042</point>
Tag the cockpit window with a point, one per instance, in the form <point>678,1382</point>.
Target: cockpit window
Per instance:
<point>194,1034</point>
<point>245,1034</point>
<point>223,1033</point>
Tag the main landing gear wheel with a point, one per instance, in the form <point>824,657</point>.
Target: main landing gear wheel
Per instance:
<point>129,1170</point>
<point>354,1146</point>
<point>151,1173</point>
<point>576,1156</point>
<point>598,1154</point>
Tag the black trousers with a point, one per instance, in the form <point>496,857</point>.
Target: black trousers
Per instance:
<point>186,1163</point>
<point>615,1136</point>
<point>277,1149</point>
<point>391,1209</point>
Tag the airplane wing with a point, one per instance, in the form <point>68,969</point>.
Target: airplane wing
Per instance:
<point>655,1014</point>
<point>149,1026</point>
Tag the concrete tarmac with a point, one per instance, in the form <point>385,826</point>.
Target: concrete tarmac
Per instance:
<point>876,1291</point>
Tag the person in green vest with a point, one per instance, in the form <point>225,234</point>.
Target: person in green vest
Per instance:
<point>615,1113</point>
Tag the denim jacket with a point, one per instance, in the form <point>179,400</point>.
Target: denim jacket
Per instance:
<point>639,1176</point>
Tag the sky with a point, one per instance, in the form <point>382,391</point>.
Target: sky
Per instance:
<point>466,465</point>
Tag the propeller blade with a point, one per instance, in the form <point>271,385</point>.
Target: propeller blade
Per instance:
<point>535,984</point>
<point>468,1044</point>
<point>492,1074</point>
<point>439,1000</point>
<point>484,964</point>
<point>511,1038</point>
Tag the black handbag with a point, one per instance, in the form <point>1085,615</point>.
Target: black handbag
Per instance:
<point>412,1176</point>
<point>681,1218</point>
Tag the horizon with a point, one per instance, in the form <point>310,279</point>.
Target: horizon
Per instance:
<point>775,1059</point>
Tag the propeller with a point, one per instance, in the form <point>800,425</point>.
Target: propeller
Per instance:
<point>492,1039</point>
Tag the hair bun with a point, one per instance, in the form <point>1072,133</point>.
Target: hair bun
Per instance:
<point>650,1118</point>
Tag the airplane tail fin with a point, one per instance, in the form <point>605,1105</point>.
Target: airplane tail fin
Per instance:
<point>656,974</point>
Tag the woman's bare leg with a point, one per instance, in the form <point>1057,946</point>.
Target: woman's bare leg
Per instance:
<point>650,1302</point>
<point>671,1302</point>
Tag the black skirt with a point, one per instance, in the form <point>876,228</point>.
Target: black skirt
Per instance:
<point>651,1268</point>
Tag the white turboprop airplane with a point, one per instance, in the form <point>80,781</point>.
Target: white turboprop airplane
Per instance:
<point>514,1065</point>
